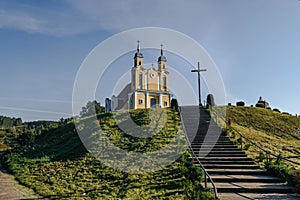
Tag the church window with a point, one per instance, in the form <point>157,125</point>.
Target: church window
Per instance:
<point>165,103</point>
<point>140,80</point>
<point>140,101</point>
<point>165,83</point>
<point>140,63</point>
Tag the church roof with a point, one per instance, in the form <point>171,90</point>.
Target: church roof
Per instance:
<point>138,55</point>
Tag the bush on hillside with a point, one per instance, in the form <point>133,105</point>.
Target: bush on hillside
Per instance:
<point>210,100</point>
<point>260,105</point>
<point>240,103</point>
<point>174,104</point>
<point>276,110</point>
<point>296,181</point>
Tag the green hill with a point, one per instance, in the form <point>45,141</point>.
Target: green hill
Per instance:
<point>273,131</point>
<point>57,165</point>
<point>269,137</point>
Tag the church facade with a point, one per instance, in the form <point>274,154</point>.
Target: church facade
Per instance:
<point>148,88</point>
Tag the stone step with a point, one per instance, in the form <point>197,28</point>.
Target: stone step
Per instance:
<point>229,166</point>
<point>225,162</point>
<point>254,187</point>
<point>208,137</point>
<point>236,172</point>
<point>215,149</point>
<point>222,155</point>
<point>212,142</point>
<point>197,138</point>
<point>245,178</point>
<point>213,145</point>
<point>248,196</point>
<point>224,159</point>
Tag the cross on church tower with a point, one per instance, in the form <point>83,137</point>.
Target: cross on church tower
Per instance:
<point>138,45</point>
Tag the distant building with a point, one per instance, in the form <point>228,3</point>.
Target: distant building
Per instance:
<point>265,103</point>
<point>148,87</point>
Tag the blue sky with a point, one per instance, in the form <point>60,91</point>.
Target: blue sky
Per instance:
<point>255,44</point>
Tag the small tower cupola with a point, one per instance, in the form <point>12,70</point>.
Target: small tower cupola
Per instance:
<point>138,56</point>
<point>162,60</point>
<point>162,57</point>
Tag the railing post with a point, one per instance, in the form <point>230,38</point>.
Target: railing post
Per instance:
<point>205,180</point>
<point>241,141</point>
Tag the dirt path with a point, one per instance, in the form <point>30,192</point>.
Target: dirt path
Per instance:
<point>11,189</point>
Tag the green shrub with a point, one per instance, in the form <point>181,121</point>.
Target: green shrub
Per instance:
<point>210,100</point>
<point>280,171</point>
<point>260,157</point>
<point>240,103</point>
<point>246,147</point>
<point>174,104</point>
<point>276,110</point>
<point>296,181</point>
<point>260,105</point>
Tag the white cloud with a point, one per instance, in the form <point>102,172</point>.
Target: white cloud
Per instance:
<point>76,16</point>
<point>129,14</point>
<point>19,21</point>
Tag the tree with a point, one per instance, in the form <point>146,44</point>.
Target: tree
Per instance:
<point>174,104</point>
<point>18,122</point>
<point>92,108</point>
<point>26,138</point>
<point>210,100</point>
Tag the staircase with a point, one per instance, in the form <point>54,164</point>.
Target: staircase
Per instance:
<point>234,174</point>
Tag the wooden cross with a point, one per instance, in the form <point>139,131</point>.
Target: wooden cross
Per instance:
<point>199,88</point>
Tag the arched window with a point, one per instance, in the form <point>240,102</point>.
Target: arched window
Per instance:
<point>164,83</point>
<point>140,80</point>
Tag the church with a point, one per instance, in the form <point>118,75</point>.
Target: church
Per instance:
<point>148,88</point>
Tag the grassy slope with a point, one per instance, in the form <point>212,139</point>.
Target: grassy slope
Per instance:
<point>60,167</point>
<point>271,130</point>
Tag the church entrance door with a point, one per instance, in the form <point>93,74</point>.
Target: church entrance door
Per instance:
<point>153,103</point>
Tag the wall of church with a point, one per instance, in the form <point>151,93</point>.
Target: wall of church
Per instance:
<point>153,97</point>
<point>162,82</point>
<point>152,80</point>
<point>139,76</point>
<point>167,100</point>
<point>140,101</point>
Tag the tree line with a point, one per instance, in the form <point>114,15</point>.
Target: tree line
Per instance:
<point>8,122</point>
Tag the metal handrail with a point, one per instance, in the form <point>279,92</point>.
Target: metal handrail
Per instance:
<point>206,175</point>
<point>253,143</point>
